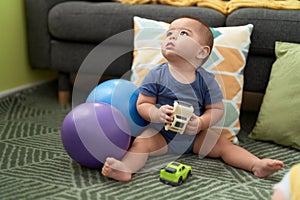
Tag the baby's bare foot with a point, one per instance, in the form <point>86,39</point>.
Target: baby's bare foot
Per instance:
<point>115,169</point>
<point>265,167</point>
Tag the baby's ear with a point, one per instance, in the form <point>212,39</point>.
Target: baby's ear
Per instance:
<point>203,52</point>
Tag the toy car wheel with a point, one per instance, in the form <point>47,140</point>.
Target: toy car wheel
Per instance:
<point>180,181</point>
<point>189,174</point>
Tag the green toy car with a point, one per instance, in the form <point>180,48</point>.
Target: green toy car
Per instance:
<point>175,173</point>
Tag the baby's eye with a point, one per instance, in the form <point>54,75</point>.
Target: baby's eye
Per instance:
<point>184,33</point>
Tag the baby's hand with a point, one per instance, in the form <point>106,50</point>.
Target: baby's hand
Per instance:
<point>165,114</point>
<point>193,125</point>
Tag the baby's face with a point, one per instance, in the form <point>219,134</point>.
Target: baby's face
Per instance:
<point>183,39</point>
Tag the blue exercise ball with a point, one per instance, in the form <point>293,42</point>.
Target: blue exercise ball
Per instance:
<point>122,94</point>
<point>91,132</point>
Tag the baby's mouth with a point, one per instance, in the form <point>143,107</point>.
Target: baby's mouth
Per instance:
<point>169,45</point>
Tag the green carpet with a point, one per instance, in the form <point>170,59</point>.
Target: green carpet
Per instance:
<point>34,164</point>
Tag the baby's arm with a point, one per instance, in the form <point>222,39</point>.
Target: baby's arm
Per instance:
<point>147,109</point>
<point>212,114</point>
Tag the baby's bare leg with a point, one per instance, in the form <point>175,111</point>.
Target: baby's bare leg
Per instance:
<point>148,143</point>
<point>235,155</point>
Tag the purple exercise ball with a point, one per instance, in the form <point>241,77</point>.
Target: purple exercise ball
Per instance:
<point>91,132</point>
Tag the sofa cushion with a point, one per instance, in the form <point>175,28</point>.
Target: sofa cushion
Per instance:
<point>94,22</point>
<point>278,119</point>
<point>66,56</point>
<point>257,72</point>
<point>270,25</point>
<point>227,61</point>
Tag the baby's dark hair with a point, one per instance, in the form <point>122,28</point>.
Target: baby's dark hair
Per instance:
<point>209,38</point>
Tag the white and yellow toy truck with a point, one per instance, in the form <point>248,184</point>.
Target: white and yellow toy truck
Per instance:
<point>182,114</point>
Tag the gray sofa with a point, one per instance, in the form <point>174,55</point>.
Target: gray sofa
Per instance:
<point>61,33</point>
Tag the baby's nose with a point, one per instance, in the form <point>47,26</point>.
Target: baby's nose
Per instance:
<point>174,35</point>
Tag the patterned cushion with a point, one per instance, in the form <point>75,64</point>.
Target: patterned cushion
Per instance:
<point>226,62</point>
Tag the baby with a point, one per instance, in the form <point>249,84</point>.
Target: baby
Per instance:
<point>187,46</point>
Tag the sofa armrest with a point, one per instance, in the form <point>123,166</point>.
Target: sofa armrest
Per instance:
<point>37,30</point>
